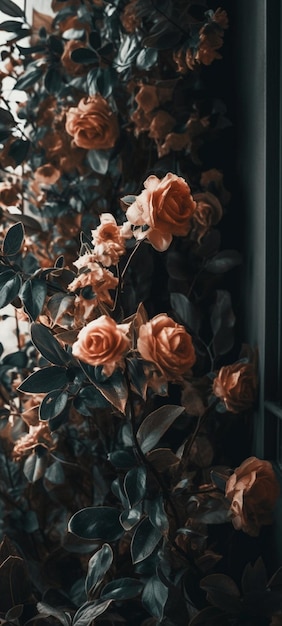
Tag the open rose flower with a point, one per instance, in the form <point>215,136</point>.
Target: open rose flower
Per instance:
<point>166,207</point>
<point>102,342</point>
<point>207,214</point>
<point>252,490</point>
<point>166,344</point>
<point>92,124</point>
<point>236,386</point>
<point>99,279</point>
<point>108,240</point>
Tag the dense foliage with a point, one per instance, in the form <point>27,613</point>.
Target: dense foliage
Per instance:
<point>127,489</point>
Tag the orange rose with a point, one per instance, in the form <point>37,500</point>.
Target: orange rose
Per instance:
<point>102,342</point>
<point>208,213</point>
<point>166,206</point>
<point>147,98</point>
<point>252,490</point>
<point>109,240</point>
<point>92,124</point>
<point>99,279</point>
<point>236,386</point>
<point>47,174</point>
<point>8,194</point>
<point>161,124</point>
<point>166,344</point>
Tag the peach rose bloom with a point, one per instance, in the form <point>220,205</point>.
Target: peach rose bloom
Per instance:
<point>47,174</point>
<point>161,124</point>
<point>108,241</point>
<point>8,194</point>
<point>207,214</point>
<point>37,435</point>
<point>147,98</point>
<point>252,490</point>
<point>236,386</point>
<point>166,206</point>
<point>99,279</point>
<point>166,344</point>
<point>92,124</point>
<point>102,342</point>
<point>129,19</point>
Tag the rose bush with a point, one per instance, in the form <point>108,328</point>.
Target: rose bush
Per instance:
<point>92,124</point>
<point>253,490</point>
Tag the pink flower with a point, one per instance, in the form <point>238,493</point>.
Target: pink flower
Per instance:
<point>102,342</point>
<point>166,207</point>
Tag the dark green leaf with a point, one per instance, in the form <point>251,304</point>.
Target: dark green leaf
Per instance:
<point>114,388</point>
<point>224,261</point>
<point>31,49</point>
<point>13,240</point>
<point>14,613</point>
<point>156,424</point>
<point>157,514</point>
<point>130,517</point>
<point>135,485</point>
<point>55,473</point>
<point>53,404</point>
<point>11,26</point>
<point>15,359</point>
<point>222,323</point>
<point>210,616</point>
<point>10,8</point>
<point>89,611</point>
<point>188,312</point>
<point>164,39</point>
<point>98,566</point>
<point>85,56</point>
<point>97,523</point>
<point>44,380</point>
<point>46,610</point>
<point>28,79</point>
<point>9,290</point>
<point>95,39</point>
<point>146,58</point>
<point>6,118</point>
<point>123,459</point>
<point>154,597</point>
<point>99,160</point>
<point>137,376</point>
<point>145,539</point>
<point>33,294</point>
<point>48,346</point>
<point>222,592</point>
<point>104,81</point>
<point>53,81</point>
<point>14,583</point>
<point>34,467</point>
<point>18,151</point>
<point>122,589</point>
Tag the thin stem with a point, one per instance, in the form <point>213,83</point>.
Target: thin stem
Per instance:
<point>130,258</point>
<point>201,419</point>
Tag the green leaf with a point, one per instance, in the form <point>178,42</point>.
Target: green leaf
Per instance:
<point>45,610</point>
<point>122,589</point>
<point>98,565</point>
<point>222,323</point>
<point>157,515</point>
<point>29,78</point>
<point>11,26</point>
<point>137,376</point>
<point>53,404</point>
<point>14,583</point>
<point>13,240</point>
<point>210,615</point>
<point>44,380</point>
<point>18,150</point>
<point>114,388</point>
<point>33,294</point>
<point>48,346</point>
<point>85,56</point>
<point>223,261</point>
<point>154,597</point>
<point>146,537</point>
<point>135,485</point>
<point>53,81</point>
<point>130,517</point>
<point>96,523</point>
<point>89,611</point>
<point>6,118</point>
<point>122,459</point>
<point>222,592</point>
<point>55,473</point>
<point>146,58</point>
<point>156,424</point>
<point>10,8</point>
<point>188,311</point>
<point>99,160</point>
<point>10,289</point>
<point>34,467</point>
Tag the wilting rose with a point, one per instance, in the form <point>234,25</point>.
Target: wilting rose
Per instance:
<point>147,98</point>
<point>102,342</point>
<point>92,124</point>
<point>252,490</point>
<point>108,241</point>
<point>166,206</point>
<point>207,214</point>
<point>8,194</point>
<point>99,279</point>
<point>236,386</point>
<point>166,344</point>
<point>73,68</point>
